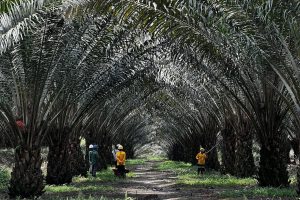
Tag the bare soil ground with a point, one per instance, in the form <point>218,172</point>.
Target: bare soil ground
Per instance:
<point>150,183</point>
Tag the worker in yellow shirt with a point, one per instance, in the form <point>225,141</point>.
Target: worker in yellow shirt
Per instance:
<point>201,157</point>
<point>121,158</point>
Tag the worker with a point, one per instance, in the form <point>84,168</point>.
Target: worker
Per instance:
<point>114,153</point>
<point>93,159</point>
<point>201,157</point>
<point>121,158</point>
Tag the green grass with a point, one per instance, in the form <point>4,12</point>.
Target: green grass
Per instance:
<point>213,179</point>
<point>75,188</point>
<point>89,184</point>
<point>187,174</point>
<point>155,158</point>
<point>175,166</point>
<point>4,178</point>
<point>259,192</point>
<point>103,176</point>
<point>138,161</point>
<point>227,186</point>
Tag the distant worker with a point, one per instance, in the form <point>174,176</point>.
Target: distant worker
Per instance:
<point>114,153</point>
<point>90,151</point>
<point>201,157</point>
<point>121,158</point>
<point>93,159</point>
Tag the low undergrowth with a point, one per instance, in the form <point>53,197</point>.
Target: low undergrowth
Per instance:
<point>225,185</point>
<point>175,166</point>
<point>103,182</point>
<point>89,184</point>
<point>77,188</point>
<point>4,178</point>
<point>102,176</point>
<point>156,158</point>
<point>213,179</point>
<point>187,174</point>
<point>138,161</point>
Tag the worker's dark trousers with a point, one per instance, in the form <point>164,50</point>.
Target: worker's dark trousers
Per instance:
<point>201,169</point>
<point>93,169</point>
<point>121,170</point>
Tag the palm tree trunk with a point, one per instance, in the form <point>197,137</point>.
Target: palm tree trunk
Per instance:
<point>58,168</point>
<point>273,164</point>
<point>176,152</point>
<point>77,161</point>
<point>27,177</point>
<point>244,161</point>
<point>210,143</point>
<point>103,161</point>
<point>212,161</point>
<point>295,146</point>
<point>228,150</point>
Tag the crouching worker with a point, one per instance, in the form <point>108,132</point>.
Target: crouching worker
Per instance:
<point>93,159</point>
<point>201,157</point>
<point>121,158</point>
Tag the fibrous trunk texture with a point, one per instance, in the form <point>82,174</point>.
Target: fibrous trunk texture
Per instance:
<point>228,150</point>
<point>58,168</point>
<point>77,162</point>
<point>26,177</point>
<point>212,161</point>
<point>273,164</point>
<point>244,161</point>
<point>210,144</point>
<point>298,179</point>
<point>65,160</point>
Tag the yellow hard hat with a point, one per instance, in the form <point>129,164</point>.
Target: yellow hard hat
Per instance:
<point>202,149</point>
<point>120,147</point>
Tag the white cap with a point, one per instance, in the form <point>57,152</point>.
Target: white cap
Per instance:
<point>120,147</point>
<point>91,146</point>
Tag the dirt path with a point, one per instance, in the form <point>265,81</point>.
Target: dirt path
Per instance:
<point>150,183</point>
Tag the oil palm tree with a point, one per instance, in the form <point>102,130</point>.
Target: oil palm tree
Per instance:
<point>231,38</point>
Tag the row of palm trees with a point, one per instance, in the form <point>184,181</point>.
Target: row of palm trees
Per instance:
<point>217,69</point>
<point>58,79</point>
